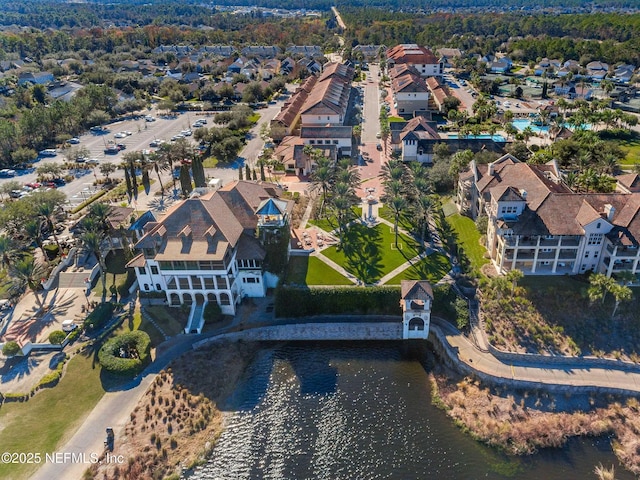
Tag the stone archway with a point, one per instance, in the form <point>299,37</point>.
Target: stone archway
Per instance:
<point>416,324</point>
<point>199,299</point>
<point>187,299</point>
<point>224,299</point>
<point>175,299</point>
<point>211,297</point>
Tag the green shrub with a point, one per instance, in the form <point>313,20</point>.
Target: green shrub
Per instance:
<point>100,315</point>
<point>212,313</point>
<point>57,337</point>
<point>10,348</point>
<point>74,334</point>
<point>51,251</point>
<point>123,288</point>
<point>300,302</point>
<point>136,345</point>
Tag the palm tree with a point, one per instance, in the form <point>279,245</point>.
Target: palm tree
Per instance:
<point>92,241</point>
<point>397,206</point>
<point>322,178</point>
<point>33,229</point>
<point>29,273</point>
<point>621,293</point>
<point>47,211</point>
<point>8,251</point>
<point>422,207</point>
<point>343,200</point>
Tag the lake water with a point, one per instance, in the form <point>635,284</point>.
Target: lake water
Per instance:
<point>363,411</point>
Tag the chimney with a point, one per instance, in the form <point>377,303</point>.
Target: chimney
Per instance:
<point>491,170</point>
<point>523,194</point>
<point>609,211</point>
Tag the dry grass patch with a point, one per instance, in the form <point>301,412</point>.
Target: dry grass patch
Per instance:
<point>522,422</point>
<point>177,422</point>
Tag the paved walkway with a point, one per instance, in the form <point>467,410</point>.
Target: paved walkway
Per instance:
<point>614,379</point>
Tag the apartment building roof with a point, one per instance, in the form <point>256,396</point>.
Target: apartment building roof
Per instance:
<point>412,53</point>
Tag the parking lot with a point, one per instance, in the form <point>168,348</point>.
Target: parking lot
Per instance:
<point>137,134</point>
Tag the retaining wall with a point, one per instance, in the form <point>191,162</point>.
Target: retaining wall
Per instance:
<point>313,331</point>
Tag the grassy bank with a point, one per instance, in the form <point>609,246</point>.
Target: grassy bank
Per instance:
<point>177,422</point>
<point>523,422</point>
<point>49,418</point>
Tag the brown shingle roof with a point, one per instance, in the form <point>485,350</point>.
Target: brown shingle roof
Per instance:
<point>416,290</point>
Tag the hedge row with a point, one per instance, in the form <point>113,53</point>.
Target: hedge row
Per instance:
<point>51,379</point>
<point>301,302</point>
<point>109,353</point>
<point>88,201</point>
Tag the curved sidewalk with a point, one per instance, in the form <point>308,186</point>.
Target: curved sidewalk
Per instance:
<point>526,374</point>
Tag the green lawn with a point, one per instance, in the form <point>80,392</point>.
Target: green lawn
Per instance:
<point>632,149</point>
<point>468,239</point>
<point>386,213</point>
<point>210,162</point>
<point>170,319</point>
<point>312,271</point>
<point>49,418</point>
<point>370,253</point>
<point>116,272</point>
<point>326,224</point>
<point>432,268</point>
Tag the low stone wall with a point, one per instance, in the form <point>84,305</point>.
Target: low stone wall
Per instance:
<point>61,266</point>
<point>312,331</point>
<point>451,359</point>
<point>562,360</point>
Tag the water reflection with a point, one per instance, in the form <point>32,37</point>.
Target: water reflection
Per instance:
<point>362,411</point>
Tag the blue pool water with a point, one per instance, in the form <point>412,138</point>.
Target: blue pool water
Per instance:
<point>522,123</point>
<point>484,136</point>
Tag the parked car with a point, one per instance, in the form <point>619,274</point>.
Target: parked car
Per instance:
<point>73,141</point>
<point>120,135</point>
<point>6,173</point>
<point>121,146</point>
<point>378,146</point>
<point>59,182</point>
<point>156,143</point>
<point>111,150</point>
<point>186,133</point>
<point>150,118</point>
<point>48,152</point>
<point>93,161</point>
<point>68,325</point>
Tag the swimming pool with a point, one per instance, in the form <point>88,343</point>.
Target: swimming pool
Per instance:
<point>483,136</point>
<point>522,123</point>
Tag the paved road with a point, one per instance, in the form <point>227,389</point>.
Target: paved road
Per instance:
<point>111,411</point>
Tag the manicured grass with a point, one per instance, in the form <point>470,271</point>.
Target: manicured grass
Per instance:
<point>632,149</point>
<point>312,271</point>
<point>370,253</point>
<point>171,320</point>
<point>468,239</point>
<point>210,162</point>
<point>386,213</point>
<point>326,224</point>
<point>116,272</point>
<point>432,268</point>
<point>49,418</point>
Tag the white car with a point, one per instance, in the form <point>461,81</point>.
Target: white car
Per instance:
<point>68,325</point>
<point>150,118</point>
<point>177,137</point>
<point>186,133</point>
<point>74,141</point>
<point>120,135</point>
